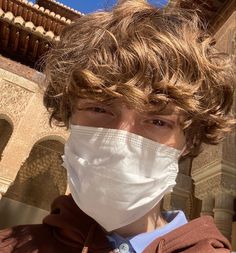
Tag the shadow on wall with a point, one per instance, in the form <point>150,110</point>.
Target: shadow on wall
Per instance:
<point>39,181</point>
<point>5,134</point>
<point>16,213</point>
<point>38,191</point>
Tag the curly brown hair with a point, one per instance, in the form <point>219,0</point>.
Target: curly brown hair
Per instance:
<point>144,56</point>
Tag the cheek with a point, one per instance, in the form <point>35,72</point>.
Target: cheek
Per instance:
<point>180,140</point>
<point>177,140</point>
<point>76,119</point>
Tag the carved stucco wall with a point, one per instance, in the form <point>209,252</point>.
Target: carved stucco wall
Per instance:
<point>226,42</point>
<point>223,153</point>
<point>14,99</point>
<point>41,178</point>
<point>214,171</point>
<point>31,159</point>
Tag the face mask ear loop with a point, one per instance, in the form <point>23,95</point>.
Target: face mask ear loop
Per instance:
<point>70,124</point>
<point>183,151</point>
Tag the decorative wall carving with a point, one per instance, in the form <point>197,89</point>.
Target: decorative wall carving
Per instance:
<point>229,148</point>
<point>44,124</point>
<point>20,74</point>
<point>41,178</point>
<point>50,135</point>
<point>210,154</point>
<point>13,99</point>
<point>228,184</point>
<point>208,186</point>
<point>216,184</point>
<point>214,171</point>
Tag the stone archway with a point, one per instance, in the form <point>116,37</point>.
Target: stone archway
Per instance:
<point>6,130</point>
<point>41,178</point>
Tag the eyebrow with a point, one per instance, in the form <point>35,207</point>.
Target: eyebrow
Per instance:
<point>107,102</point>
<point>164,111</point>
<point>167,110</point>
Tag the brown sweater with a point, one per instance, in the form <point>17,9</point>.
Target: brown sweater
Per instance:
<point>68,230</point>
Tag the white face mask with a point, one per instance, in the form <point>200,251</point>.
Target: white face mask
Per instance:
<point>116,177</point>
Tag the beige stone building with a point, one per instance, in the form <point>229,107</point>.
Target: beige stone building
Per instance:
<point>31,175</point>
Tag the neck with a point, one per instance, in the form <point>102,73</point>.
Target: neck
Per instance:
<point>149,222</point>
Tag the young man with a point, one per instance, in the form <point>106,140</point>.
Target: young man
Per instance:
<point>138,87</point>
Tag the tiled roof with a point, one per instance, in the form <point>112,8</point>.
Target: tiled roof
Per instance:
<point>27,30</point>
<point>22,41</point>
<point>38,15</point>
<point>60,8</point>
<point>66,7</point>
<point>38,30</point>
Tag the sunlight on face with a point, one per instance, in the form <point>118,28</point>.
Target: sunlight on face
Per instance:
<point>163,127</point>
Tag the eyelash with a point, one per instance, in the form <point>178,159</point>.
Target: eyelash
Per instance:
<point>96,109</point>
<point>160,123</point>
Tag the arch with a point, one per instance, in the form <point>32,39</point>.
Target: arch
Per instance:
<point>49,136</point>
<point>6,130</point>
<point>8,118</point>
<point>41,178</point>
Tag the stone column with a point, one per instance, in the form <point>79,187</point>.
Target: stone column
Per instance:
<point>223,213</point>
<point>208,205</point>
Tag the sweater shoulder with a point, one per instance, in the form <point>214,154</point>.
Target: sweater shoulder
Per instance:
<point>199,235</point>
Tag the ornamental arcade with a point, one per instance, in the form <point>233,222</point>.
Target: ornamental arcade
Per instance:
<point>31,175</point>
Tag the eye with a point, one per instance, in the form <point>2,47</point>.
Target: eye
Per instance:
<point>159,122</point>
<point>97,109</point>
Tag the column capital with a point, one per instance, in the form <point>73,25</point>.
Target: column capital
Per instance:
<point>217,177</point>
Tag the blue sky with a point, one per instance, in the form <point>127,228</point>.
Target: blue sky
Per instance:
<point>86,6</point>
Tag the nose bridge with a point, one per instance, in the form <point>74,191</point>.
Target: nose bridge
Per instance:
<point>127,119</point>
